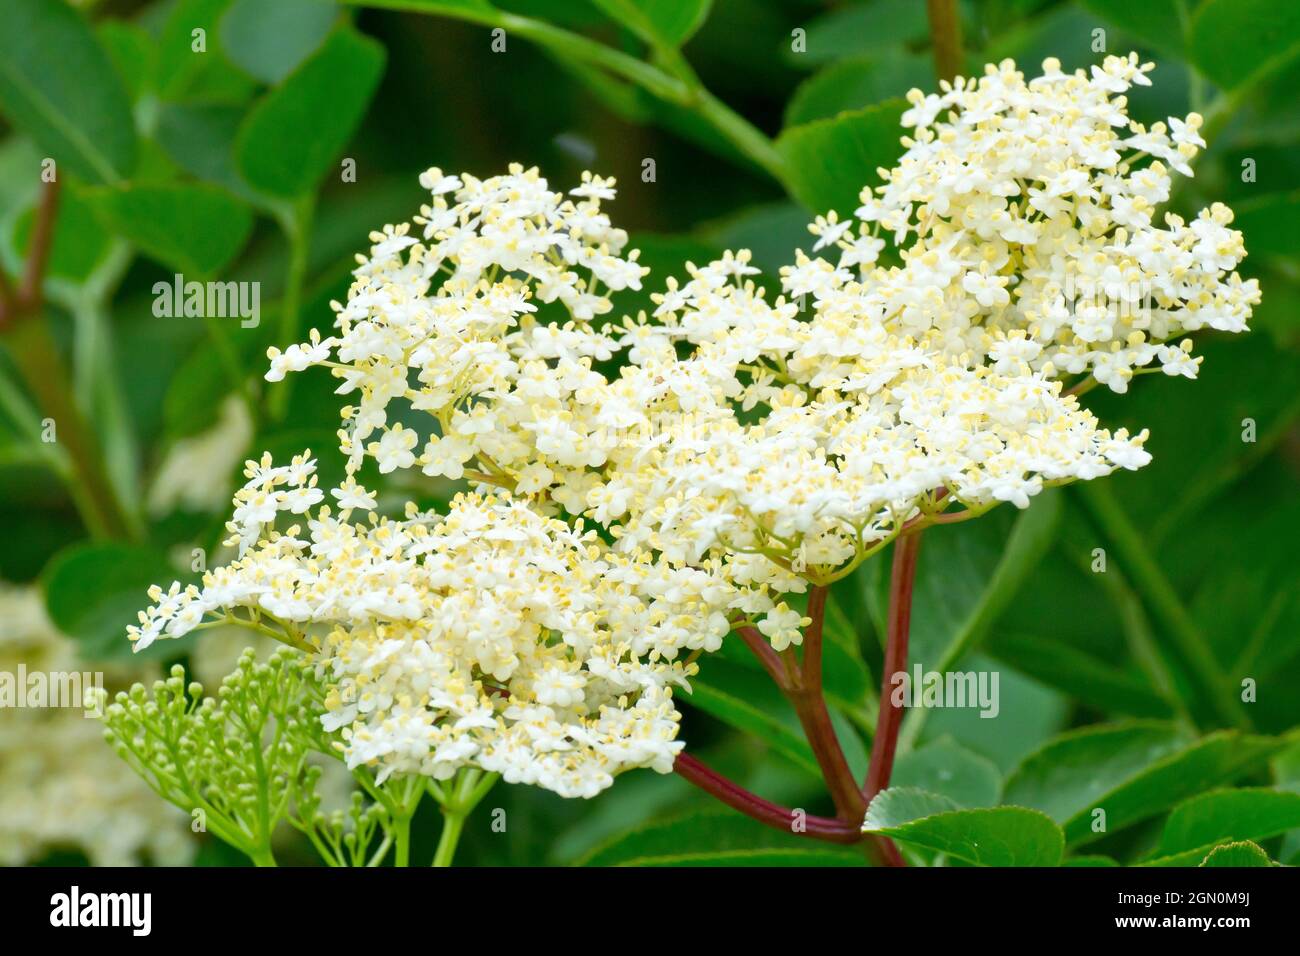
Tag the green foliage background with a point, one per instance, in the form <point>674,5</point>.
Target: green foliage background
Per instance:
<point>1120,689</point>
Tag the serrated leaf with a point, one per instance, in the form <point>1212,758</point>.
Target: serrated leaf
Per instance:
<point>292,137</point>
<point>194,228</point>
<point>996,836</point>
<point>59,86</point>
<point>1237,854</point>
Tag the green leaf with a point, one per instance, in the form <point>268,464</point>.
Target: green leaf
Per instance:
<point>194,228</point>
<point>711,831</point>
<point>268,41</point>
<point>1237,41</point>
<point>1081,675</point>
<point>1268,223</point>
<point>1245,814</point>
<point>59,86</point>
<point>967,576</point>
<point>290,140</point>
<point>180,65</point>
<point>661,23</point>
<point>1156,22</point>
<point>830,161</point>
<point>855,83</point>
<point>200,138</point>
<point>997,836</point>
<point>949,770</point>
<point>1131,771</point>
<point>860,28</point>
<point>93,591</point>
<point>1028,715</point>
<point>133,53</point>
<point>747,699</point>
<point>1244,853</point>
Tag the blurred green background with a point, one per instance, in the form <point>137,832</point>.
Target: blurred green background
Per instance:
<point>236,163</point>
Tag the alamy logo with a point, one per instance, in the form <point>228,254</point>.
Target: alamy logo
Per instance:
<point>38,689</point>
<point>74,908</point>
<point>924,688</point>
<point>211,300</point>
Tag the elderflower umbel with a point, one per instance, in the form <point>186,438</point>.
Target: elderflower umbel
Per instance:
<point>1025,214</point>
<point>491,636</point>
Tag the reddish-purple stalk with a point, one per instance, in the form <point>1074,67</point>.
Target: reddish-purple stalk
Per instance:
<point>805,693</point>
<point>801,681</point>
<point>765,811</point>
<point>890,715</point>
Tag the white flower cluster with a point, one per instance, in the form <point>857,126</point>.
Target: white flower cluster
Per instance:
<point>491,636</point>
<point>741,451</point>
<point>1025,216</point>
<point>456,314</point>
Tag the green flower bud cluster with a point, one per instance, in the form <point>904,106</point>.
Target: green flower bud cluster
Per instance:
<point>241,763</point>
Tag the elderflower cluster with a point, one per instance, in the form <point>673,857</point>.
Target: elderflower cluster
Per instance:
<point>859,428</point>
<point>450,323</point>
<point>1025,215</point>
<point>733,449</point>
<point>491,636</point>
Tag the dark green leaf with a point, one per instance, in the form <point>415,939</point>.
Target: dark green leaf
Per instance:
<point>748,700</point>
<point>1269,224</point>
<point>1157,22</point>
<point>662,23</point>
<point>1129,771</point>
<point>93,591</point>
<point>191,227</point>
<point>951,771</point>
<point>268,41</point>
<point>1234,41</point>
<point>293,136</point>
<point>1246,814</point>
<point>59,86</point>
<point>712,831</point>
<point>861,28</point>
<point>830,161</point>
<point>853,84</point>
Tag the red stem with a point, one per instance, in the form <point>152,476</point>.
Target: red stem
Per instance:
<point>762,649</point>
<point>890,716</point>
<point>810,704</point>
<point>764,811</point>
